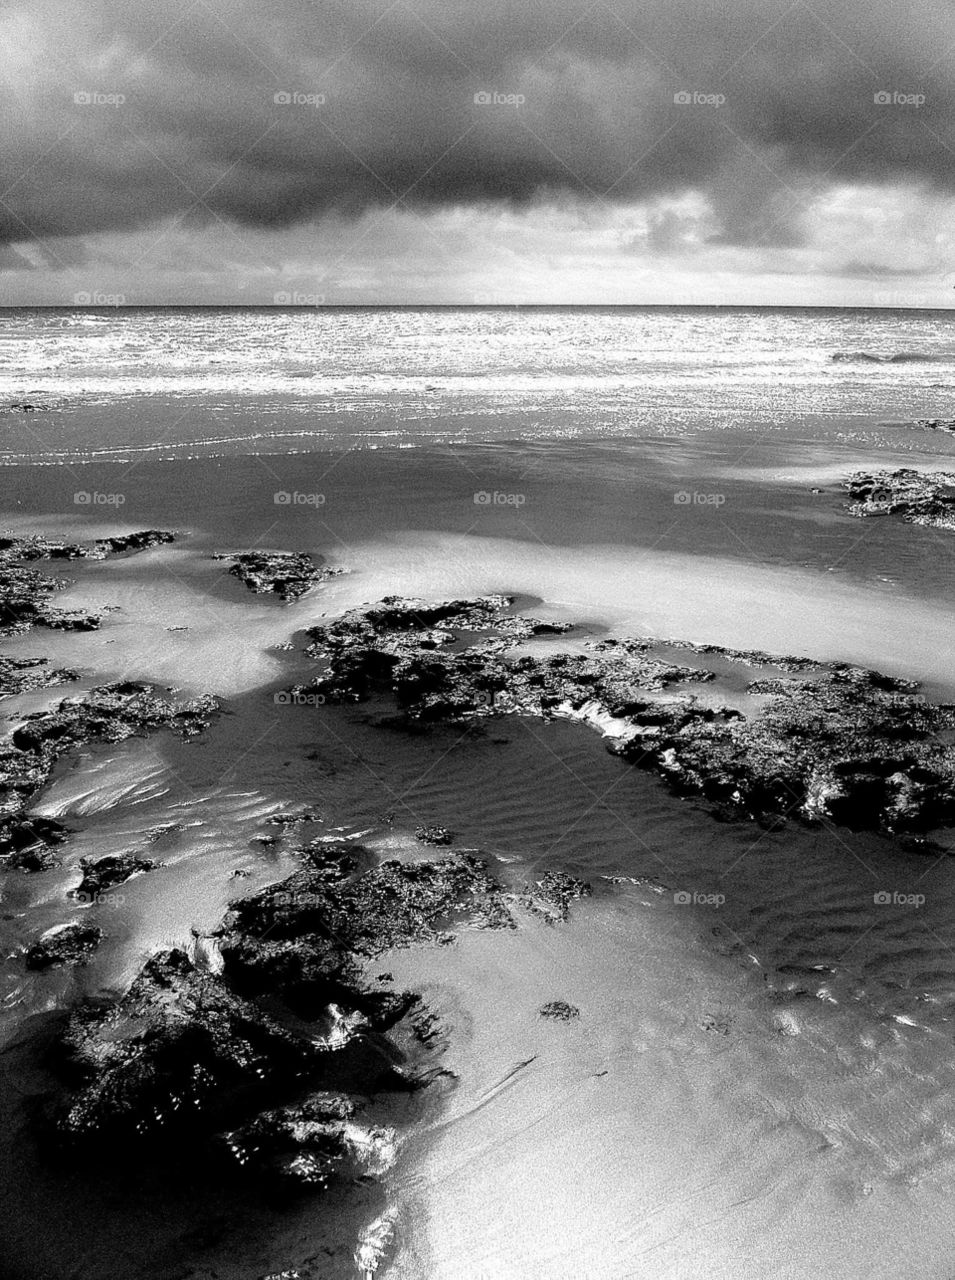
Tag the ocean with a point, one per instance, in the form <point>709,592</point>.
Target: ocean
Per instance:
<point>760,1082</point>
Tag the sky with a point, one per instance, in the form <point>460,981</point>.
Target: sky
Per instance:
<point>321,152</point>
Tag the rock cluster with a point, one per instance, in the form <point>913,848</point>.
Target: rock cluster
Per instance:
<point>264,1043</point>
<point>107,714</point>
<point>25,592</point>
<point>830,741</point>
<point>71,944</point>
<point>287,574</point>
<point>918,497</point>
<point>102,874</point>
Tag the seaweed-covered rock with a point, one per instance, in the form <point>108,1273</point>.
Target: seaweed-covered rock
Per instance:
<point>28,843</point>
<point>308,1143</point>
<point>26,593</point>
<point>918,497</point>
<point>64,944</point>
<point>25,675</point>
<point>288,574</point>
<point>559,1011</point>
<point>831,741</point>
<point>103,874</point>
<point>434,835</point>
<point>106,714</point>
<point>180,1044</point>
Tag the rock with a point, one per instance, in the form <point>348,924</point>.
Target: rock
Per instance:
<point>140,541</point>
<point>28,843</point>
<point>559,1011</point>
<point>434,835</point>
<point>288,574</point>
<point>304,1144</point>
<point>173,1053</point>
<point>109,713</point>
<point>823,746</point>
<point>25,592</point>
<point>102,874</point>
<point>64,944</point>
<point>25,675</point>
<point>917,497</point>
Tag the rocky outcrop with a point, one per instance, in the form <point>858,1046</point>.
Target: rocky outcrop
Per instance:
<point>71,944</point>
<point>559,1011</point>
<point>287,574</point>
<point>830,741</point>
<point>29,843</point>
<point>917,497</point>
<point>107,714</point>
<point>102,874</point>
<point>434,835</point>
<point>25,675</point>
<point>26,593</point>
<point>265,1041</point>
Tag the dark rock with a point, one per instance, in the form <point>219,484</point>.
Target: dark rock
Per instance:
<point>434,835</point>
<point>140,541</point>
<point>288,574</point>
<point>178,1046</point>
<point>107,714</point>
<point>102,874</point>
<point>28,844</point>
<point>24,675</point>
<point>25,592</point>
<point>926,498</point>
<point>559,1011</point>
<point>65,944</point>
<point>841,743</point>
<point>305,1144</point>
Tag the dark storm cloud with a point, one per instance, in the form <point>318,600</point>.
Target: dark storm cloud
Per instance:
<point>120,112</point>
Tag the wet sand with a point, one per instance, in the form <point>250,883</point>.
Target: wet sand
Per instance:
<point>751,1123</point>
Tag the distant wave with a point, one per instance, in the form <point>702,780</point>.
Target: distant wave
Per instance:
<point>895,357</point>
